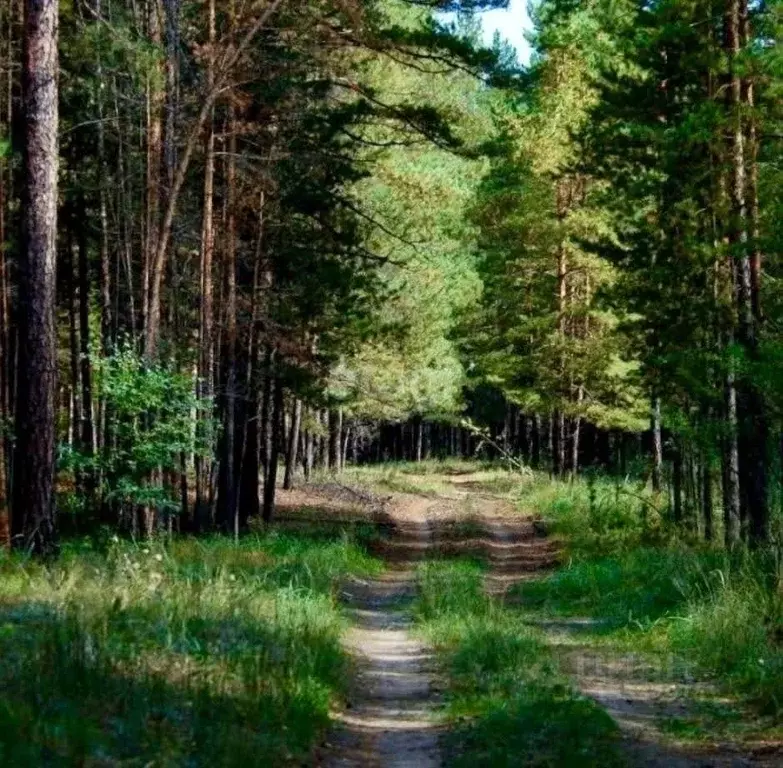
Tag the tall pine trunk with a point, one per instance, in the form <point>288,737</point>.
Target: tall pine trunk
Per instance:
<point>228,461</point>
<point>677,481</point>
<point>267,409</point>
<point>87,428</point>
<point>418,426</point>
<point>732,510</point>
<point>657,445</point>
<point>251,450</point>
<point>751,417</point>
<point>535,441</point>
<point>309,448</point>
<point>68,278</point>
<point>33,521</point>
<point>6,195</point>
<point>335,438</point>
<point>154,135</point>
<point>293,445</point>
<point>706,496</point>
<point>206,360</point>
<point>270,481</point>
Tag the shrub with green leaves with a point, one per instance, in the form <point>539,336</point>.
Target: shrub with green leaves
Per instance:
<point>150,424</point>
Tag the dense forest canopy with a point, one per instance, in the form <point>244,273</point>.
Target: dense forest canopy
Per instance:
<point>237,234</point>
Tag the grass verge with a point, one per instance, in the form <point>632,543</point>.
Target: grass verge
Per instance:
<point>508,704</point>
<point>193,653</point>
<point>698,609</point>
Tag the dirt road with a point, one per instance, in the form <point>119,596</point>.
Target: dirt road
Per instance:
<point>393,715</point>
<point>393,719</point>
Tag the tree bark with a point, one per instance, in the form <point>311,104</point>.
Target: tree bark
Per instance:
<point>270,482</point>
<point>293,445</point>
<point>335,441</point>
<point>732,509</point>
<point>751,416</point>
<point>248,493</point>
<point>558,444</point>
<point>33,521</point>
<point>206,358</point>
<point>657,445</point>
<point>575,446</point>
<point>535,441</point>
<point>229,503</point>
<point>706,495</point>
<point>154,134</point>
<point>267,409</point>
<point>747,98</point>
<point>6,195</point>
<point>677,482</point>
<point>125,222</point>
<point>251,449</point>
<point>309,448</point>
<point>87,428</point>
<point>71,286</point>
<point>344,449</point>
<point>418,426</point>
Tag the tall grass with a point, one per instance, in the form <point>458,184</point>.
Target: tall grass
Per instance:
<point>595,515</point>
<point>719,614</point>
<point>508,704</point>
<point>197,653</point>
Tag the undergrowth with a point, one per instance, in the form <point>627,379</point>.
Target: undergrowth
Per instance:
<point>508,703</point>
<point>594,515</point>
<point>719,615</point>
<point>192,653</point>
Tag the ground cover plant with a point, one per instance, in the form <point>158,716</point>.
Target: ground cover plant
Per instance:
<point>189,652</point>
<point>507,701</point>
<point>702,611</point>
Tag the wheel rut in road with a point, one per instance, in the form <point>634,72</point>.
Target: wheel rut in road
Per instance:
<point>392,717</point>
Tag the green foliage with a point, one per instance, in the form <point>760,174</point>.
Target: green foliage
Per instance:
<point>150,424</point>
<point>544,332</point>
<point>732,628</point>
<point>593,514</point>
<point>448,589</point>
<point>635,588</point>
<point>201,653</point>
<point>413,200</point>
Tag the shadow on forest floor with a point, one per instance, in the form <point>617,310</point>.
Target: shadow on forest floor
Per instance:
<point>199,652</point>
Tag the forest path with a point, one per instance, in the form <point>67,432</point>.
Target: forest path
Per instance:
<point>636,693</point>
<point>392,716</point>
<point>391,719</point>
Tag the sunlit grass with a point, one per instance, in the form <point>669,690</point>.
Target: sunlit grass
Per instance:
<point>432,476</point>
<point>721,616</point>
<point>196,653</point>
<point>393,478</point>
<point>651,590</point>
<point>507,701</point>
